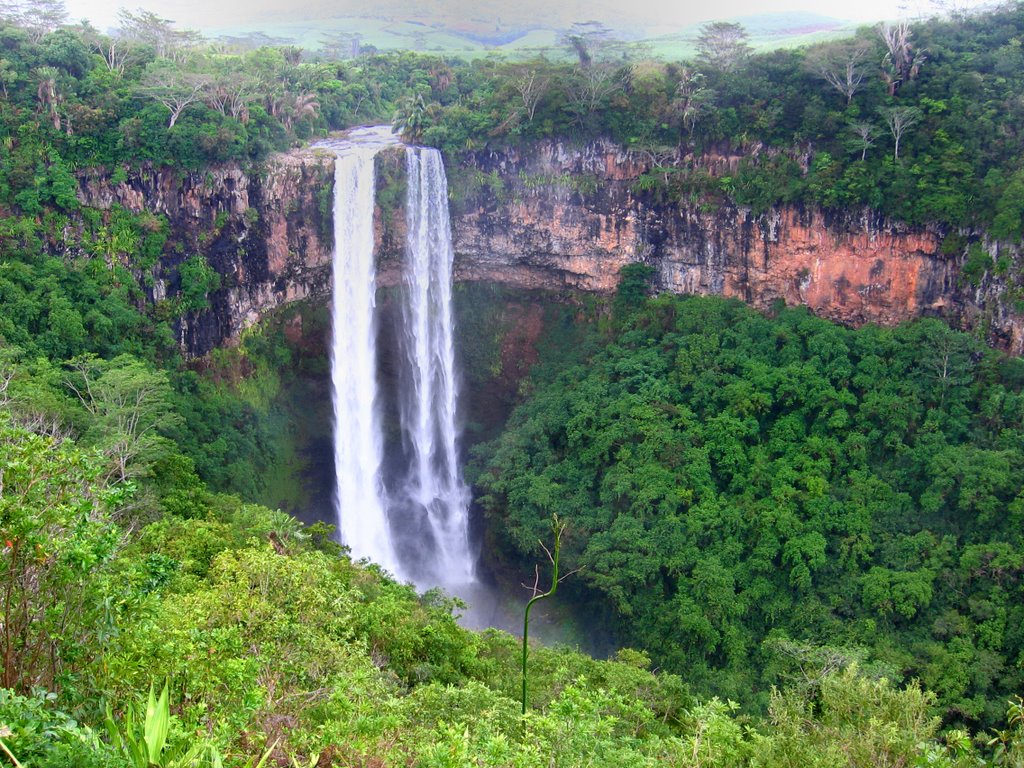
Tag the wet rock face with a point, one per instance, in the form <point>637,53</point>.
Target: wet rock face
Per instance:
<point>268,233</point>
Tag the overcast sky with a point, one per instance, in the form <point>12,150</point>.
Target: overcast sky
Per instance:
<point>206,14</point>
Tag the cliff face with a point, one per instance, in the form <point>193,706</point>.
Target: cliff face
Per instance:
<point>557,218</point>
<point>268,234</point>
<point>571,218</point>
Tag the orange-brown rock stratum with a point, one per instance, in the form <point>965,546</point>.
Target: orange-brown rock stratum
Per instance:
<point>556,217</point>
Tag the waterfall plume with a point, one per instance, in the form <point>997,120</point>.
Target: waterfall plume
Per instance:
<point>415,521</point>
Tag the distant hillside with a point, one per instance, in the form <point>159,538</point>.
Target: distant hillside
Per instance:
<point>528,31</point>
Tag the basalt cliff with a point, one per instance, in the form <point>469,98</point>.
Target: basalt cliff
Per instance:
<point>267,233</point>
<point>557,218</point>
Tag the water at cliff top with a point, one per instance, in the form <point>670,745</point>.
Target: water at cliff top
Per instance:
<point>416,524</point>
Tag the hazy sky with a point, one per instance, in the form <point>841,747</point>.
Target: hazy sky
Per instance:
<point>205,14</point>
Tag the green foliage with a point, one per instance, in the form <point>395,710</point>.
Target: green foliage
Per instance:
<point>978,262</point>
<point>40,736</point>
<point>736,485</point>
<point>57,540</point>
<point>729,477</point>
<point>128,405</point>
<point>279,648</point>
<point>198,281</point>
<point>762,184</point>
<point>1008,223</point>
<point>778,118</point>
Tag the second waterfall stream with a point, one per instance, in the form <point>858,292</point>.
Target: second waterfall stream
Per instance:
<point>414,521</point>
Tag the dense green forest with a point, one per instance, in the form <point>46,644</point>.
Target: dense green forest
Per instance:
<point>918,121</point>
<point>810,534</point>
<point>746,492</point>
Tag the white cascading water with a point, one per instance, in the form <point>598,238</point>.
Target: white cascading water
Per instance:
<point>429,500</point>
<point>429,384</point>
<point>358,444</point>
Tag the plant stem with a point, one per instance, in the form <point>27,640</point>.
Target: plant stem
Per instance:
<point>8,753</point>
<point>557,528</point>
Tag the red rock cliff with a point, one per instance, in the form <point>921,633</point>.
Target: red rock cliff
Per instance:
<point>558,217</point>
<point>553,217</point>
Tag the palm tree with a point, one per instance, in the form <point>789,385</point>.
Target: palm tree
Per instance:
<point>297,107</point>
<point>413,117</point>
<point>48,94</point>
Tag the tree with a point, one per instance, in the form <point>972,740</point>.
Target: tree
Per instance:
<point>56,538</point>
<point>9,76</point>
<point>128,403</point>
<point>49,95</point>
<point>590,86</point>
<point>693,100</point>
<point>864,134</point>
<point>412,117</point>
<point>585,39</point>
<point>294,107</point>
<point>232,90</point>
<point>557,530</point>
<point>38,17</point>
<point>146,28</point>
<point>337,45</point>
<point>532,86</point>
<point>116,51</point>
<point>841,65</point>
<point>174,88</point>
<point>722,45</point>
<point>900,120</point>
<point>901,63</point>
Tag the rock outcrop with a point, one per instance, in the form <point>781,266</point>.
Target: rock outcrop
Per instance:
<point>267,232</point>
<point>557,217</point>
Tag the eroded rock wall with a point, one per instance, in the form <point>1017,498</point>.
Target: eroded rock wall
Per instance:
<point>554,217</point>
<point>559,217</point>
<point>268,233</point>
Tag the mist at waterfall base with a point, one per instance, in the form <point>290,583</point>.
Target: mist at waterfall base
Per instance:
<point>401,500</point>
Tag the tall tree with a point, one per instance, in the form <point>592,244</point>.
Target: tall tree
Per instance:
<point>902,63</point>
<point>900,120</point>
<point>864,134</point>
<point>38,17</point>
<point>693,99</point>
<point>532,85</point>
<point>116,51</point>
<point>173,87</point>
<point>723,45</point>
<point>591,86</point>
<point>842,65</point>
<point>128,403</point>
<point>232,90</point>
<point>160,34</point>
<point>48,94</point>
<point>586,39</point>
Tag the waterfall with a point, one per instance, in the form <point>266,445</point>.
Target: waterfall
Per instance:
<point>415,524</point>
<point>361,501</point>
<point>433,483</point>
